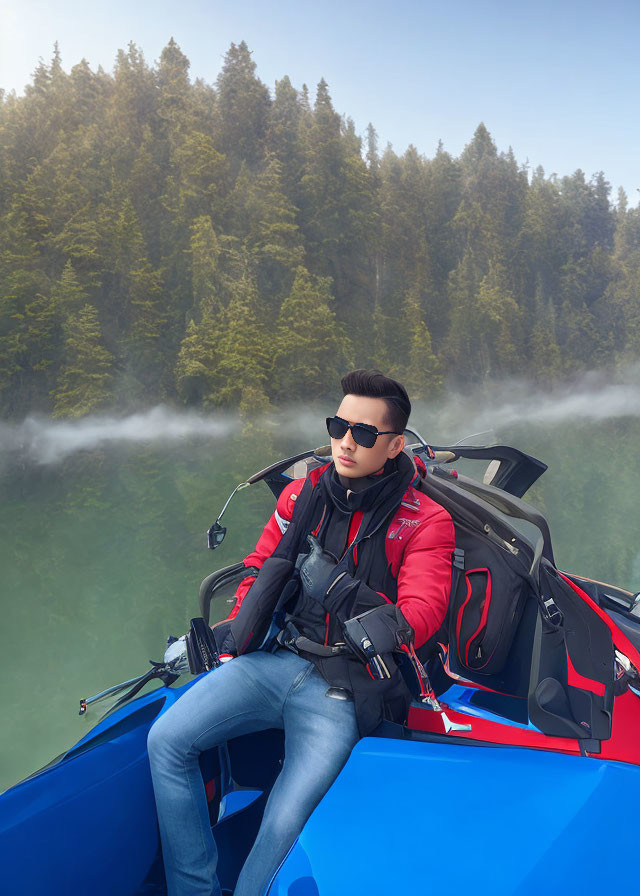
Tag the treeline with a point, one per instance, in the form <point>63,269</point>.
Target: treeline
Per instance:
<point>220,246</point>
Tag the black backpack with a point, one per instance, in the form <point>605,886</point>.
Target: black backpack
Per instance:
<point>494,568</point>
<point>514,625</point>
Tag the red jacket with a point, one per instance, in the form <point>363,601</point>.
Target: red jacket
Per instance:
<point>419,546</point>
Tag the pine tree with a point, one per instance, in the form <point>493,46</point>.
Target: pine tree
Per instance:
<point>45,320</point>
<point>373,158</point>
<point>283,136</point>
<point>147,333</point>
<point>321,183</point>
<point>242,107</point>
<point>196,372</point>
<point>311,350</point>
<point>493,198</point>
<point>197,377</point>
<point>134,101</point>
<point>68,295</point>
<point>173,82</point>
<point>147,179</point>
<point>424,378</point>
<point>201,178</point>
<point>273,240</point>
<point>546,358</point>
<point>205,252</point>
<point>498,320</point>
<point>485,339</point>
<point>84,382</point>
<point>380,328</point>
<point>243,350</point>
<point>26,338</point>
<point>421,374</point>
<point>404,243</point>
<point>88,94</point>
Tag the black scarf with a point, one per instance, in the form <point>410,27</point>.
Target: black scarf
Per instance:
<point>377,500</point>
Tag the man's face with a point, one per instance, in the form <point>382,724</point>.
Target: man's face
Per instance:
<point>352,460</point>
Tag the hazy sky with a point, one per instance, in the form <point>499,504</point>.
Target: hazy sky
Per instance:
<point>557,81</point>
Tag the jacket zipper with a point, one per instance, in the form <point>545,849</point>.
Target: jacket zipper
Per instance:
<point>337,579</point>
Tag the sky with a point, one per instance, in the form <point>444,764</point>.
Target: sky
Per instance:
<point>556,81</point>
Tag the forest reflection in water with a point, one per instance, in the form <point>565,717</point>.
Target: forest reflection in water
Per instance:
<point>103,546</point>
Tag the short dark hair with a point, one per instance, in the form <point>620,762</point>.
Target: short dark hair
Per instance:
<point>374,384</point>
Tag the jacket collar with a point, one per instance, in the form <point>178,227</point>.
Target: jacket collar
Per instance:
<point>383,488</point>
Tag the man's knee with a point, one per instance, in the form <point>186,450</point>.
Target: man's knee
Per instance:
<point>167,741</point>
<point>158,740</point>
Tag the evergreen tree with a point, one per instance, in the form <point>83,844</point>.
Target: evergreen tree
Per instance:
<point>147,179</point>
<point>68,295</point>
<point>337,214</point>
<point>27,338</point>
<point>373,158</point>
<point>321,182</point>
<point>311,350</point>
<point>147,331</point>
<point>283,137</point>
<point>200,180</point>
<point>405,244</point>
<point>84,382</point>
<point>197,378</point>
<point>485,338</point>
<point>493,194</point>
<point>421,373</point>
<point>173,83</point>
<point>88,91</point>
<point>45,318</point>
<point>547,365</point>
<point>379,330</point>
<point>498,320</point>
<point>624,299</point>
<point>243,350</point>
<point>273,240</point>
<point>242,108</point>
<point>205,256</point>
<point>134,101</point>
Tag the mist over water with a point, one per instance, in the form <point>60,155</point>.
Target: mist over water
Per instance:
<point>45,441</point>
<point>494,407</point>
<point>103,521</point>
<point>591,400</point>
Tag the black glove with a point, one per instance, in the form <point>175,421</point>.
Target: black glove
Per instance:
<point>328,581</point>
<point>317,570</point>
<point>225,642</point>
<point>375,633</point>
<point>208,647</point>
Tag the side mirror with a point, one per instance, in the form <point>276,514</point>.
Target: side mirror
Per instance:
<point>215,536</point>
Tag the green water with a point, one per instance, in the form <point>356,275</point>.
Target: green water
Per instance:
<point>102,553</point>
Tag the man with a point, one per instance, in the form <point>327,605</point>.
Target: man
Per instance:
<point>353,549</point>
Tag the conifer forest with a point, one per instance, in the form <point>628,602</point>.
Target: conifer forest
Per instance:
<point>167,240</point>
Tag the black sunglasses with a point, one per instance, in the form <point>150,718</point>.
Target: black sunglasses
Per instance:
<point>362,433</point>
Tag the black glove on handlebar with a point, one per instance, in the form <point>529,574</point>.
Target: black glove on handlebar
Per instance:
<point>375,633</point>
<point>205,645</point>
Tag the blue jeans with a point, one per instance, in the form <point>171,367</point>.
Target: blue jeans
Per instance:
<point>250,693</point>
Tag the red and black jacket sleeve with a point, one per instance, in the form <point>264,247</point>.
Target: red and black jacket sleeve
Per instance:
<point>424,575</point>
<point>268,541</point>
